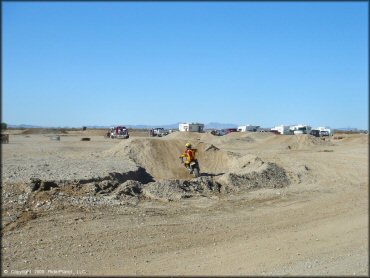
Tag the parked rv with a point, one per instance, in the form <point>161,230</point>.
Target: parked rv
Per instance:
<point>300,129</point>
<point>282,129</point>
<point>191,127</point>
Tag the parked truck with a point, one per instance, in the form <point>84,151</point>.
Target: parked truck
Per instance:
<point>119,132</point>
<point>325,131</point>
<point>159,131</point>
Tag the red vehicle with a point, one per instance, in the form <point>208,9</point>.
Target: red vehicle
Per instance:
<point>229,130</point>
<point>119,132</point>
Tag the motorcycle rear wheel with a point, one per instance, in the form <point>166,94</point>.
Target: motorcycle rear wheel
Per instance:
<point>196,172</point>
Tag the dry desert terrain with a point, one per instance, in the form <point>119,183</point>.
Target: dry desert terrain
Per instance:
<point>265,204</point>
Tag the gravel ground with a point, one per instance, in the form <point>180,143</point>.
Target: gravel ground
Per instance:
<point>69,159</point>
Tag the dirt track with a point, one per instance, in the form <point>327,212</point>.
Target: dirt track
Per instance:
<point>315,222</point>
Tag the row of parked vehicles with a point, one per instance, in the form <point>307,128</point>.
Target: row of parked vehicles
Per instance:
<point>284,130</point>
<point>123,133</point>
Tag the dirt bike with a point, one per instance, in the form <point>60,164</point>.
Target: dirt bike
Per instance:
<point>193,167</point>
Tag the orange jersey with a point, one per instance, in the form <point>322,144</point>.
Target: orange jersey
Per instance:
<point>189,154</point>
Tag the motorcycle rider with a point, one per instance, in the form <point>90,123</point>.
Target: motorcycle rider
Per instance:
<point>189,154</point>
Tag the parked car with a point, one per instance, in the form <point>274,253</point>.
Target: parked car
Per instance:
<point>229,130</point>
<point>221,132</point>
<point>216,132</point>
<point>159,131</point>
<point>315,132</point>
<point>324,133</point>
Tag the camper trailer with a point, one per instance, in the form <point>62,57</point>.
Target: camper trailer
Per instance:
<point>191,127</point>
<point>244,128</point>
<point>282,129</point>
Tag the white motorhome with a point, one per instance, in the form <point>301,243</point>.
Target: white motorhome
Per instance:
<point>191,127</point>
<point>300,129</point>
<point>244,128</point>
<point>282,129</point>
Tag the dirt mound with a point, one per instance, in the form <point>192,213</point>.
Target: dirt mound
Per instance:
<point>294,142</point>
<point>249,173</point>
<point>258,175</point>
<point>236,137</point>
<point>161,157</point>
<point>180,135</point>
<point>233,137</point>
<point>221,171</point>
<point>171,190</point>
<point>303,141</point>
<point>245,139</point>
<point>265,175</point>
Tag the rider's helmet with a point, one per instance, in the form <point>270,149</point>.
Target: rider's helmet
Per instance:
<point>188,145</point>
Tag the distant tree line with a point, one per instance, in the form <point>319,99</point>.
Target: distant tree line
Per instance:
<point>4,126</point>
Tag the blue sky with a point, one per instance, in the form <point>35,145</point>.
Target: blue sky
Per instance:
<point>96,63</point>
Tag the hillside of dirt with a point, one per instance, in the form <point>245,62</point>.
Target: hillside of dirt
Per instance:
<point>264,204</point>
